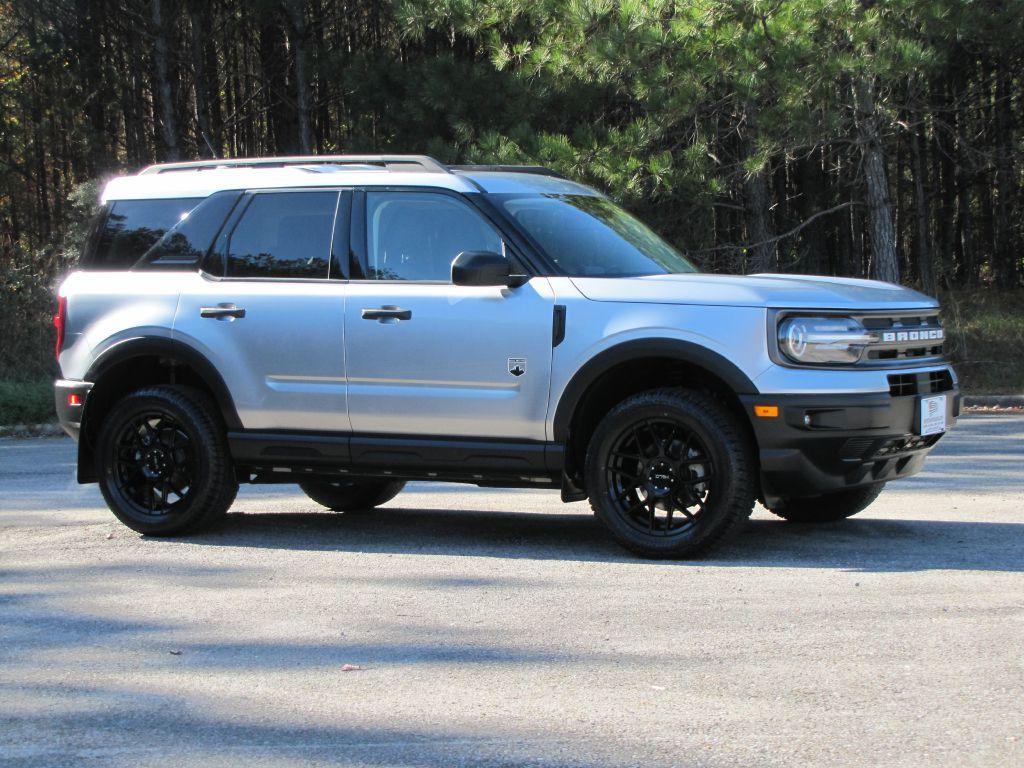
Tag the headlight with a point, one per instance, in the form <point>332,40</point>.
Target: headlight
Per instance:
<point>823,340</point>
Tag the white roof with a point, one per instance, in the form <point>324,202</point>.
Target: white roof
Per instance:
<point>204,182</point>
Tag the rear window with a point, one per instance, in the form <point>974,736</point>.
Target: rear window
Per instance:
<point>131,227</point>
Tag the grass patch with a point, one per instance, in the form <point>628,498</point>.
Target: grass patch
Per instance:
<point>986,340</point>
<point>26,402</point>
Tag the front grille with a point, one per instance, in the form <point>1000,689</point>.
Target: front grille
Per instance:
<point>904,336</point>
<point>868,448</point>
<point>927,383</point>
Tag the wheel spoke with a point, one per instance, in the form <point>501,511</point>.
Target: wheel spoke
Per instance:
<point>656,441</point>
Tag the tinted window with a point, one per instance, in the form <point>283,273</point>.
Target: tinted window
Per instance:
<point>415,236</point>
<point>586,235</point>
<point>283,234</point>
<point>187,242</point>
<point>133,226</point>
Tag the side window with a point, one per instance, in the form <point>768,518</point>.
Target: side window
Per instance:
<point>416,235</point>
<point>283,234</point>
<point>187,242</point>
<point>133,226</point>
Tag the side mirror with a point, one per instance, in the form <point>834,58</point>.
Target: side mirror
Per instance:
<point>483,268</point>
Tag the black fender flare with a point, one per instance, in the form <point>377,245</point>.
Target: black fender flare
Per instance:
<point>149,346</point>
<point>676,349</point>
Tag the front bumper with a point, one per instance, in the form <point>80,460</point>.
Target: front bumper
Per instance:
<point>69,398</point>
<point>852,440</point>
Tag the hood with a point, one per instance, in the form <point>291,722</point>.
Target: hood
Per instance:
<point>769,291</point>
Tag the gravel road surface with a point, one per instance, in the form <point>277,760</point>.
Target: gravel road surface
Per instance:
<point>504,628</point>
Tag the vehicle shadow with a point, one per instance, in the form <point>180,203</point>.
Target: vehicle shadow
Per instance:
<point>860,544</point>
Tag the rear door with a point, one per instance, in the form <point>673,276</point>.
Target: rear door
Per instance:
<point>429,358</point>
<point>269,309</point>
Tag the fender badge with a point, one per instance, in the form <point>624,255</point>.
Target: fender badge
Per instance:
<point>517,366</point>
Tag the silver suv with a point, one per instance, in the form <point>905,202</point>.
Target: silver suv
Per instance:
<point>350,323</point>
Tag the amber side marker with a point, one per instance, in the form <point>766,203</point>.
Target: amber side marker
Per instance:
<point>766,411</point>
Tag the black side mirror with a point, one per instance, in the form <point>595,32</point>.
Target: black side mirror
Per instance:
<point>483,268</point>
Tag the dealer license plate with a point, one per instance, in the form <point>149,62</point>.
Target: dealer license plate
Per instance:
<point>933,415</point>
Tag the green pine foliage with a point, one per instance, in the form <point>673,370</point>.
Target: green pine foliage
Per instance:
<point>740,129</point>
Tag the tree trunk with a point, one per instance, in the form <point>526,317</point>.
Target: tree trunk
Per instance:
<point>761,255</point>
<point>922,214</point>
<point>282,135</point>
<point>811,200</point>
<point>885,260</point>
<point>1004,259</point>
<point>169,124</point>
<point>198,18</point>
<point>299,40</point>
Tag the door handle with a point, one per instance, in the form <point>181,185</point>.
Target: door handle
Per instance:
<point>387,313</point>
<point>222,312</point>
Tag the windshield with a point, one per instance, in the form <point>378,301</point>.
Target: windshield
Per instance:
<point>590,236</point>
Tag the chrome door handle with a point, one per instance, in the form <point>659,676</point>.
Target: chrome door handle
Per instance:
<point>222,311</point>
<point>387,313</point>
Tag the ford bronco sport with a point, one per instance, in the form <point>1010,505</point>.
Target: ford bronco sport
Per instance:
<point>350,323</point>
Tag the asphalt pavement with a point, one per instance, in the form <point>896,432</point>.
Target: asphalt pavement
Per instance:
<point>462,626</point>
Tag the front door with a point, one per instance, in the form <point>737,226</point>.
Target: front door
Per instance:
<point>271,315</point>
<point>425,357</point>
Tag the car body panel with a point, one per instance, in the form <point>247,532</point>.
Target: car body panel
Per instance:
<point>767,291</point>
<point>284,362</point>
<point>446,370</point>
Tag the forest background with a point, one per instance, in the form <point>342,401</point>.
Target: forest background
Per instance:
<point>841,137</point>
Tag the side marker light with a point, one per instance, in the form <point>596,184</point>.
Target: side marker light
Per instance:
<point>766,411</point>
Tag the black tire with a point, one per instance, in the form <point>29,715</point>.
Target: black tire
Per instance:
<point>830,507</point>
<point>163,462</point>
<point>354,495</point>
<point>671,473</point>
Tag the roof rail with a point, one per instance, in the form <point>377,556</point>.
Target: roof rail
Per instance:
<point>540,170</point>
<point>421,163</point>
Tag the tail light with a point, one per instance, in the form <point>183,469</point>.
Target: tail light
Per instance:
<point>59,322</point>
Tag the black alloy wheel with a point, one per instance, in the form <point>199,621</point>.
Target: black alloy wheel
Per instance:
<point>163,462</point>
<point>154,464</point>
<point>660,474</point>
<point>671,472</point>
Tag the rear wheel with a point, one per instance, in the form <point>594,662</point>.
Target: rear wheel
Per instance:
<point>830,507</point>
<point>163,463</point>
<point>671,473</point>
<point>352,495</point>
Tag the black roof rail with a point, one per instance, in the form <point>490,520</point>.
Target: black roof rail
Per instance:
<point>413,163</point>
<point>540,170</point>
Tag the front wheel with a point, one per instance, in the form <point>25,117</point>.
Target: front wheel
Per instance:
<point>671,473</point>
<point>352,495</point>
<point>830,507</point>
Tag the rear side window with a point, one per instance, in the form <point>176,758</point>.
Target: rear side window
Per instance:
<point>132,227</point>
<point>283,235</point>
<point>186,243</point>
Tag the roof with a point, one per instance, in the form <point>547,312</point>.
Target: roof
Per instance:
<point>203,178</point>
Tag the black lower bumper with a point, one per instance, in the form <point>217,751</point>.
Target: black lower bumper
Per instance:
<point>818,444</point>
<point>69,398</point>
